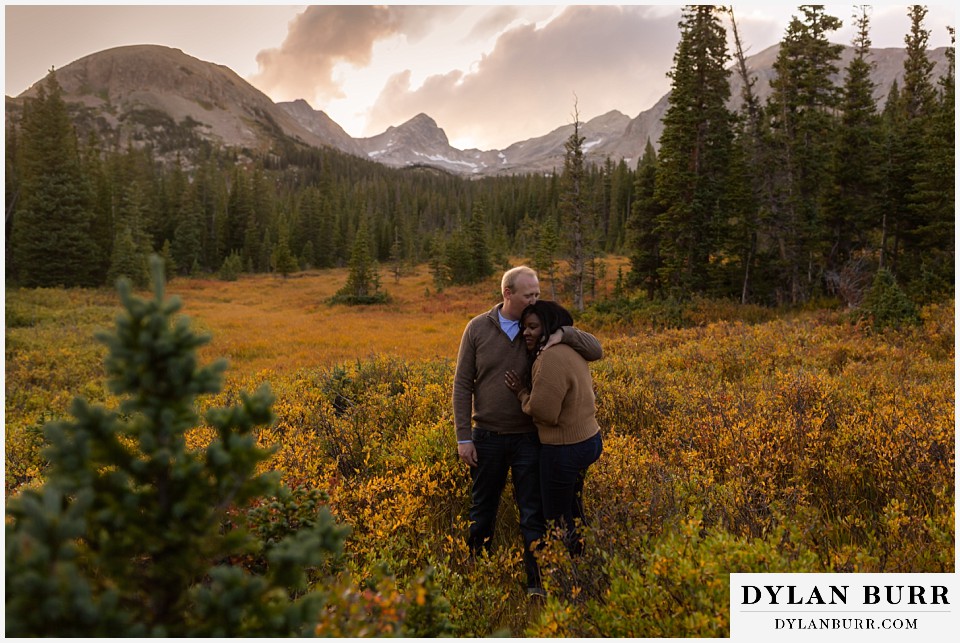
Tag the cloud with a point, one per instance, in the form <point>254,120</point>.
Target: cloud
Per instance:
<point>602,57</point>
<point>322,37</point>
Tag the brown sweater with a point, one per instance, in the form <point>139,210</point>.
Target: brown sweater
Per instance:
<point>561,399</point>
<point>486,354</point>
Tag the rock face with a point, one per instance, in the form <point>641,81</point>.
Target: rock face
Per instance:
<point>132,93</point>
<point>148,93</point>
<point>321,126</point>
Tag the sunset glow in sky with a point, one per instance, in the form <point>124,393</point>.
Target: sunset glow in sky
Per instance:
<point>488,74</point>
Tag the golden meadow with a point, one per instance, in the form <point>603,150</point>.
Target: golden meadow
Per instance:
<point>743,442</point>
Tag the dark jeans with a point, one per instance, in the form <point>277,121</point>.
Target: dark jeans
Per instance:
<point>563,469</point>
<point>498,454</point>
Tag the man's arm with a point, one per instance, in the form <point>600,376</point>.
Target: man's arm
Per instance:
<point>584,343</point>
<point>463,385</point>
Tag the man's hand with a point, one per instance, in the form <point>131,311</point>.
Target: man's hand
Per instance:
<point>554,339</point>
<point>468,453</point>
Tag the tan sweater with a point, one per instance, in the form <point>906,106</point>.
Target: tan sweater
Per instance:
<point>486,354</point>
<point>561,399</point>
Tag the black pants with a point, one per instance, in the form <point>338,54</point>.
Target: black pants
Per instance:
<point>498,454</point>
<point>562,472</point>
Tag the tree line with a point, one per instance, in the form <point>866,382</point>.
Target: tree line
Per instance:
<point>805,195</point>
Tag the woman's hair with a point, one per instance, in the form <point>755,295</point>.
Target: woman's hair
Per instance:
<point>551,314</point>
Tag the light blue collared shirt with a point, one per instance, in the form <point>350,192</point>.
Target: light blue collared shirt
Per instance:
<point>511,328</point>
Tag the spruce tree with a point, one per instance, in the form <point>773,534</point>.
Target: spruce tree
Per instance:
<point>51,234</point>
<point>642,238</point>
<point>126,260</point>
<point>481,268</point>
<point>932,200</point>
<point>694,153</point>
<point>363,280</point>
<point>576,214</point>
<point>436,259</point>
<point>283,260</point>
<point>801,112</point>
<point>751,145</point>
<point>187,236</point>
<point>545,253</point>
<point>851,211</point>
<point>132,533</point>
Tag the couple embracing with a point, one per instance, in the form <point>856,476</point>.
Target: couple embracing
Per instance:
<point>523,403</point>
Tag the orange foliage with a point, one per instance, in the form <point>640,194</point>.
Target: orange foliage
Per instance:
<point>799,443</point>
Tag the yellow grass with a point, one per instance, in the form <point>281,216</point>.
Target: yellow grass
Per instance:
<point>266,322</point>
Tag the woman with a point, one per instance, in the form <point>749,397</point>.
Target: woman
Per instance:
<point>561,402</point>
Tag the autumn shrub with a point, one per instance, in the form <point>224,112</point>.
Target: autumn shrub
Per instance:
<point>679,587</point>
<point>800,442</point>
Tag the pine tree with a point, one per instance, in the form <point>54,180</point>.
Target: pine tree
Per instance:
<point>481,268</point>
<point>283,260</point>
<point>51,234</point>
<point>905,122</point>
<point>232,267</point>
<point>363,280</point>
<point>642,238</point>
<point>751,145</point>
<point>802,124</point>
<point>132,533</point>
<point>851,211</point>
<point>458,258</point>
<point>545,254</point>
<point>11,183</point>
<point>694,152</point>
<point>932,200</point>
<point>436,258</point>
<point>187,247</point>
<point>396,257</point>
<point>576,214</point>
<point>126,260</point>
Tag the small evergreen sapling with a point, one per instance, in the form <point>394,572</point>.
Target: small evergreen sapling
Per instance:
<point>129,534</point>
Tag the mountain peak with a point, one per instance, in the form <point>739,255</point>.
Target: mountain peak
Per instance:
<point>422,119</point>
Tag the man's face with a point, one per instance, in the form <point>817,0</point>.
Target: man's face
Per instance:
<point>525,291</point>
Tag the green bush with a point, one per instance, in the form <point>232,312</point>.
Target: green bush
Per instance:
<point>231,268</point>
<point>886,305</point>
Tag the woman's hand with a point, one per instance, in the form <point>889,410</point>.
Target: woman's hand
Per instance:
<point>513,382</point>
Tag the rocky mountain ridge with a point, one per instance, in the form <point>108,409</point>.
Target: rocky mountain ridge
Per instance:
<point>151,93</point>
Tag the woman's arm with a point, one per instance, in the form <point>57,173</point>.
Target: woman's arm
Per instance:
<point>545,399</point>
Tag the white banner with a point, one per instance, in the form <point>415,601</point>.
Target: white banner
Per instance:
<point>844,607</point>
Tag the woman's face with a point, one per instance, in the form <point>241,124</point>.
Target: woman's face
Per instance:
<point>532,331</point>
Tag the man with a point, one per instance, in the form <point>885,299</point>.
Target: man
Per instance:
<point>501,438</point>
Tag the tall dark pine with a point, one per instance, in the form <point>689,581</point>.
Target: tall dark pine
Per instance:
<point>916,114</point>
<point>575,213</point>
<point>694,151</point>
<point>187,236</point>
<point>801,115</point>
<point>363,280</point>
<point>51,238</point>
<point>641,236</point>
<point>477,238</point>
<point>932,201</point>
<point>852,210</point>
<point>756,183</point>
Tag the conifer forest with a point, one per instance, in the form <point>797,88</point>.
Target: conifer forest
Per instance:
<point>772,283</point>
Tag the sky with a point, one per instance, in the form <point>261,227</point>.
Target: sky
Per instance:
<point>489,75</point>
